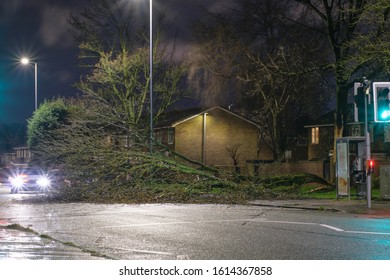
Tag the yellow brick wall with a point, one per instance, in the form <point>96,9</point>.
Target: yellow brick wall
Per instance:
<point>222,130</point>
<point>188,138</point>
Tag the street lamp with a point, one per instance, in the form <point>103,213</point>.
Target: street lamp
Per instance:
<point>151,134</point>
<point>151,74</point>
<point>26,61</point>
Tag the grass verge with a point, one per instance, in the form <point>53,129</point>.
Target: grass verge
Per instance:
<point>227,190</point>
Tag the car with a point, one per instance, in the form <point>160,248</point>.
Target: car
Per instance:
<point>29,179</point>
<point>4,175</point>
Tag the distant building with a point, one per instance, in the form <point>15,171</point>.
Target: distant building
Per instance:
<point>215,137</point>
<point>321,137</point>
<point>21,156</point>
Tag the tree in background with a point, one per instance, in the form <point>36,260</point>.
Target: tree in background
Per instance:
<point>69,133</point>
<point>255,56</point>
<point>41,130</point>
<point>357,41</point>
<point>95,161</point>
<point>114,46</point>
<point>216,60</point>
<point>50,116</point>
<point>102,137</point>
<point>282,92</point>
<point>11,136</point>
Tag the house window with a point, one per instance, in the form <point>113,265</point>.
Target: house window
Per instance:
<point>315,135</point>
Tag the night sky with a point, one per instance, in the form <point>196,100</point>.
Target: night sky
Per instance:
<point>39,29</point>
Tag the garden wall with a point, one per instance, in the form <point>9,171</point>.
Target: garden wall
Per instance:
<point>319,168</point>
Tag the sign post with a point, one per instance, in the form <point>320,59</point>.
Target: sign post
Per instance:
<point>368,146</point>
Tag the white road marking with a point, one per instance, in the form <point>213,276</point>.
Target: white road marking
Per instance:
<point>368,232</point>
<point>331,227</point>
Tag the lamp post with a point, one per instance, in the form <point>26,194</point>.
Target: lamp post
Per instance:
<point>26,61</point>
<point>151,74</point>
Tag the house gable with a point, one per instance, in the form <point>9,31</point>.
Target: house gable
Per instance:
<point>209,111</point>
<point>213,135</point>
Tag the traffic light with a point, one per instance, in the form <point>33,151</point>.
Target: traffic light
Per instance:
<point>359,102</point>
<point>381,92</point>
<point>361,92</point>
<point>370,167</point>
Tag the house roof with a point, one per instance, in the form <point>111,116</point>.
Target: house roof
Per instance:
<point>189,117</point>
<point>170,117</point>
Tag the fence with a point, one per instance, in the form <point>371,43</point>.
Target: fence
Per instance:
<point>318,168</point>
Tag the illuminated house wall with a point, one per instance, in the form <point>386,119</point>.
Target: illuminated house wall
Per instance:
<point>204,137</point>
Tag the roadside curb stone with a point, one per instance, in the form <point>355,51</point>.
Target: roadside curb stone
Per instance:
<point>379,209</point>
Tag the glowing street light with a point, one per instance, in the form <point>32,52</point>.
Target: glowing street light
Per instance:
<point>26,61</point>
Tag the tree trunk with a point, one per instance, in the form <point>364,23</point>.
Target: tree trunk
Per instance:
<point>278,152</point>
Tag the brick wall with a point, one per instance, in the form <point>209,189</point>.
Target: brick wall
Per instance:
<point>223,130</point>
<point>284,168</point>
<point>188,138</point>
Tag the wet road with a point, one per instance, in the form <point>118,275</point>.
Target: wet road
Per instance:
<point>18,243</point>
<point>204,232</point>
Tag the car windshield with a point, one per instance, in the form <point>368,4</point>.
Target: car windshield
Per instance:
<point>29,171</point>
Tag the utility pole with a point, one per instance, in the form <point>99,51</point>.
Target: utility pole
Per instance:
<point>366,85</point>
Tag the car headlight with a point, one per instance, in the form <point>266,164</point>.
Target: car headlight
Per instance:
<point>43,182</point>
<point>17,181</point>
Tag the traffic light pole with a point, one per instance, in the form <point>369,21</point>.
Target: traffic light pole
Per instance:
<point>368,149</point>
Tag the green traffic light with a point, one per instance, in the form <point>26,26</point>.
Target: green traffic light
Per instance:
<point>385,114</point>
<point>381,100</point>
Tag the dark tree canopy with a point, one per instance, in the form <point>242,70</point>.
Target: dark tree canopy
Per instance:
<point>262,64</point>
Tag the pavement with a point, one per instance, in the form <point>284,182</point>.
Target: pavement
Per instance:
<point>378,209</point>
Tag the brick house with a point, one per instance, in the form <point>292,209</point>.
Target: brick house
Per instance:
<point>321,137</point>
<point>321,141</point>
<point>214,137</point>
